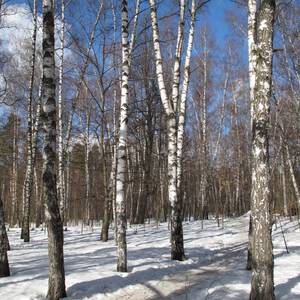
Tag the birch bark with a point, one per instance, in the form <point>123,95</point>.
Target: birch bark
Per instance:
<point>262,283</point>
<point>203,182</point>
<point>252,8</point>
<point>86,166</point>
<point>121,148</point>
<point>61,176</point>
<point>56,283</point>
<point>171,106</point>
<point>14,172</point>
<point>25,233</point>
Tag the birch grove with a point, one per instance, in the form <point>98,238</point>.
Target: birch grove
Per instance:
<point>123,123</point>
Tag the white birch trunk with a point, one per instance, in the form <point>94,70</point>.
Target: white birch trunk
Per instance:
<point>262,283</point>
<point>252,8</point>
<point>86,167</point>
<point>14,173</point>
<point>170,106</point>
<point>56,283</point>
<point>121,148</point>
<point>178,55</point>
<point>203,168</point>
<point>61,177</point>
<point>238,155</point>
<point>25,233</point>
<point>183,96</point>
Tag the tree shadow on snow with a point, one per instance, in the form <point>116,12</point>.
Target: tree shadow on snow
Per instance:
<point>285,288</point>
<point>213,270</point>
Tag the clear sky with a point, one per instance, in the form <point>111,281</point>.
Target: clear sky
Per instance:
<point>215,16</point>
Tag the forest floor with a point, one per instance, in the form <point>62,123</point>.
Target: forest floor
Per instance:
<point>214,269</point>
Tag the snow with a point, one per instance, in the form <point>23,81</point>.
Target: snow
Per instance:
<point>215,268</point>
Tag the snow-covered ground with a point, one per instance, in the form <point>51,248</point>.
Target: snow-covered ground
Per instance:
<point>215,268</point>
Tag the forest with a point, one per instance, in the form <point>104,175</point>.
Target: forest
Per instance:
<point>149,149</point>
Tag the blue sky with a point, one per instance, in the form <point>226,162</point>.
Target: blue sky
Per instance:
<point>215,16</point>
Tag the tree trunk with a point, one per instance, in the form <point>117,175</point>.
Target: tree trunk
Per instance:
<point>108,186</point>
<point>4,245</point>
<point>174,107</point>
<point>61,175</point>
<point>262,283</point>
<point>177,248</point>
<point>25,233</point>
<point>203,182</point>
<point>252,8</point>
<point>86,167</point>
<point>14,200</point>
<point>293,177</point>
<point>121,148</point>
<point>56,283</point>
<point>282,171</point>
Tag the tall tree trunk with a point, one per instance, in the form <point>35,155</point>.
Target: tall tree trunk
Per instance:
<point>262,283</point>
<point>86,167</point>
<point>122,136</point>
<point>14,180</point>
<point>283,178</point>
<point>121,148</point>
<point>177,248</point>
<point>183,98</point>
<point>25,233</point>
<point>238,199</point>
<point>203,182</point>
<point>172,108</point>
<point>109,194</point>
<point>107,186</point>
<point>56,283</point>
<point>293,177</point>
<point>252,8</point>
<point>61,175</point>
<point>4,245</point>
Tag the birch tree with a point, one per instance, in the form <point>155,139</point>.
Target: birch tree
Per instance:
<point>121,147</point>
<point>14,178</point>
<point>262,284</point>
<point>172,104</point>
<point>252,8</point>
<point>25,233</point>
<point>203,156</point>
<point>56,283</point>
<point>61,177</point>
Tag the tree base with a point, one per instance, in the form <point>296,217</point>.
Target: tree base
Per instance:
<point>4,266</point>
